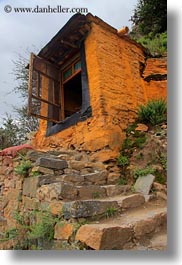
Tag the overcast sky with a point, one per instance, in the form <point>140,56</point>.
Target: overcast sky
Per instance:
<point>22,31</point>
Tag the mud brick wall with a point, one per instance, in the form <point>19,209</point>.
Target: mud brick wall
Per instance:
<point>120,78</point>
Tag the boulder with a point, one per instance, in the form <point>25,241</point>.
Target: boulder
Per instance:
<point>87,208</point>
<point>63,231</point>
<point>131,201</point>
<point>104,236</point>
<point>97,178</point>
<point>141,127</point>
<point>143,184</point>
<point>52,163</point>
<point>91,192</point>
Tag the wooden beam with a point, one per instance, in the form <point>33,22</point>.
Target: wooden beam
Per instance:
<point>44,118</point>
<point>69,44</point>
<point>30,84</point>
<point>46,101</point>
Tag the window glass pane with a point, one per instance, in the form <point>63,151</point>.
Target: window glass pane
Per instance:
<point>67,73</point>
<point>77,66</point>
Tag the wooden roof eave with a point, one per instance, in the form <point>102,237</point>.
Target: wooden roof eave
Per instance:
<point>67,39</point>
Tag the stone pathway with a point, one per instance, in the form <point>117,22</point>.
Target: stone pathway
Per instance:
<point>113,217</point>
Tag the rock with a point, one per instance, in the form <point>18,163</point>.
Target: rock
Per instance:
<point>69,192</point>
<point>150,225</point>
<point>131,201</point>
<point>63,231</point>
<point>85,171</point>
<point>159,187</point>
<point>43,170</point>
<point>91,192</point>
<point>164,126</point>
<point>149,198</point>
<point>34,155</point>
<point>159,242</point>
<point>87,208</point>
<point>13,194</point>
<point>63,156</point>
<point>56,207</point>
<point>30,186</point>
<point>3,221</point>
<point>19,184</point>
<point>113,178</point>
<point>162,195</point>
<point>48,179</point>
<point>144,184</point>
<point>96,177</point>
<point>141,127</point>
<point>56,191</point>
<point>104,236</point>
<point>78,165</point>
<point>144,227</point>
<point>113,190</point>
<point>103,155</point>
<point>10,209</point>
<point>49,192</point>
<point>79,157</point>
<point>52,163</point>
<point>30,203</point>
<point>115,169</point>
<point>73,178</point>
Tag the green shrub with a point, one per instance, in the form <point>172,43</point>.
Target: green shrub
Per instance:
<point>157,45</point>
<point>44,229</point>
<point>23,168</point>
<point>131,128</point>
<point>96,195</point>
<point>163,160</point>
<point>139,156</point>
<point>160,177</point>
<point>127,144</point>
<point>122,181</point>
<point>123,160</point>
<point>34,228</point>
<point>142,172</point>
<point>10,234</point>
<point>153,113</point>
<point>110,212</point>
<point>139,142</point>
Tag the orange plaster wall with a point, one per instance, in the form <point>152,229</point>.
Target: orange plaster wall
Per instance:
<point>155,89</point>
<point>116,89</point>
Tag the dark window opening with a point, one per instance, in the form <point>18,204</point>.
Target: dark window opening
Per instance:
<point>59,95</point>
<point>72,95</point>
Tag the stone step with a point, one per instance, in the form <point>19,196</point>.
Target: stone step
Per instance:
<point>98,207</point>
<point>156,241</point>
<point>98,192</point>
<point>126,231</point>
<point>94,178</point>
<point>159,241</point>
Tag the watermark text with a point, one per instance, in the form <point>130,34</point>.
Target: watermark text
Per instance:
<point>47,9</point>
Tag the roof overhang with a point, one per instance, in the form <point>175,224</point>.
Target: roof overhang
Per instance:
<point>67,41</point>
<point>69,38</point>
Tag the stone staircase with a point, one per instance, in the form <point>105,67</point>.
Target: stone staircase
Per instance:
<point>134,229</point>
<point>116,217</point>
<point>112,216</point>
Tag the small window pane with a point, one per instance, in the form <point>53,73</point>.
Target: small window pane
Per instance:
<point>77,66</point>
<point>67,73</point>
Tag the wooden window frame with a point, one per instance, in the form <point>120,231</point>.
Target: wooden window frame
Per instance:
<point>71,65</point>
<point>35,93</point>
<point>35,65</point>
